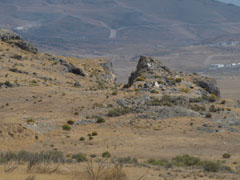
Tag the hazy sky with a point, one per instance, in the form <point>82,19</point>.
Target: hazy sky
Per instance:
<point>236,2</point>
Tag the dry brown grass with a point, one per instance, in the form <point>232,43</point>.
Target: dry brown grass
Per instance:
<point>43,168</point>
<point>103,172</point>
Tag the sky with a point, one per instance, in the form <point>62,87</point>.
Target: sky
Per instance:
<point>236,2</point>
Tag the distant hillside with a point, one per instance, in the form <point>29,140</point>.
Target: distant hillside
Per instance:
<point>103,26</point>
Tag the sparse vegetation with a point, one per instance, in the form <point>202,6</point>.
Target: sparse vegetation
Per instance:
<point>226,155</point>
<point>66,127</point>
<point>106,154</point>
<point>82,139</point>
<point>80,157</point>
<point>100,120</point>
<point>70,122</point>
<point>190,161</point>
<point>119,111</point>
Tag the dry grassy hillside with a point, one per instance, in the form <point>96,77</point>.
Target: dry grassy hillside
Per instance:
<point>161,125</point>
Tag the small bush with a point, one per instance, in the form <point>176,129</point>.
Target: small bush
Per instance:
<point>93,155</point>
<point>100,120</point>
<point>80,157</point>
<point>118,112</point>
<point>94,133</point>
<point>223,102</point>
<point>226,155</point>
<point>106,154</point>
<point>185,160</point>
<point>210,166</point>
<point>178,80</point>
<point>70,122</point>
<point>66,127</point>
<point>141,79</point>
<point>82,139</point>
<point>125,160</point>
<point>213,109</point>
<point>90,138</point>
<point>185,90</point>
<point>30,121</point>
<point>154,91</point>
<point>208,115</point>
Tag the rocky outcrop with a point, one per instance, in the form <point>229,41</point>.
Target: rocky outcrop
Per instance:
<point>210,85</point>
<point>148,68</point>
<point>69,67</point>
<point>109,75</point>
<point>15,39</point>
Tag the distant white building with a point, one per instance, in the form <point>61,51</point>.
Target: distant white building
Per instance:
<point>215,66</point>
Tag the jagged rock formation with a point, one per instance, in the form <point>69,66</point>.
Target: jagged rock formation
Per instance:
<point>15,39</point>
<point>152,75</point>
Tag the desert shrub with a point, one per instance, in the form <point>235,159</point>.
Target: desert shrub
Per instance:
<point>125,160</point>
<point>24,156</point>
<point>115,92</point>
<point>100,120</point>
<point>66,127</point>
<point>80,157</point>
<point>185,90</point>
<point>94,133</point>
<point>141,79</point>
<point>30,121</point>
<point>210,166</point>
<point>213,109</point>
<point>178,80</point>
<point>208,115</point>
<point>106,154</point>
<point>198,108</point>
<point>226,155</point>
<point>185,160</point>
<point>161,162</point>
<point>223,102</point>
<point>119,111</point>
<point>70,122</point>
<point>90,138</point>
<point>82,139</point>
<point>154,91</point>
<point>196,100</point>
<point>93,155</point>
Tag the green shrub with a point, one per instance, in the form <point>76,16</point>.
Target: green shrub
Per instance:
<point>154,91</point>
<point>93,155</point>
<point>226,155</point>
<point>178,80</point>
<point>82,139</point>
<point>106,154</point>
<point>118,112</point>
<point>70,122</point>
<point>223,102</point>
<point>141,79</point>
<point>90,138</point>
<point>66,127</point>
<point>125,160</point>
<point>94,133</point>
<point>100,120</point>
<point>212,108</point>
<point>208,115</point>
<point>80,157</point>
<point>210,166</point>
<point>185,90</point>
<point>185,160</point>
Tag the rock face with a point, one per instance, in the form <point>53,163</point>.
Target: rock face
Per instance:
<point>146,68</point>
<point>210,85</point>
<point>12,38</point>
<point>109,72</point>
